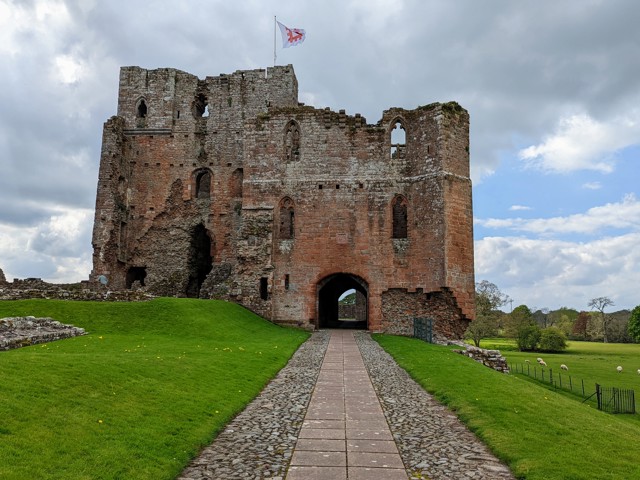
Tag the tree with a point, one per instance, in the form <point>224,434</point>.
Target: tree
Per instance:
<point>520,318</point>
<point>634,324</point>
<point>599,304</point>
<point>488,299</point>
<point>528,338</point>
<point>580,326</point>
<point>482,327</point>
<point>552,339</point>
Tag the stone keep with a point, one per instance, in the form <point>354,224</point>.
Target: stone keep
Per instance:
<point>229,188</point>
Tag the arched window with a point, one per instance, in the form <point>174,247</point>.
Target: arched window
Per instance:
<point>398,139</point>
<point>292,142</point>
<point>399,212</point>
<point>203,184</point>
<point>287,219</point>
<point>141,110</point>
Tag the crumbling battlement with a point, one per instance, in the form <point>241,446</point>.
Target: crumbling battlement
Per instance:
<point>228,188</point>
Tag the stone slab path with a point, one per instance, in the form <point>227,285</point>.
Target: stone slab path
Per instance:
<point>343,409</point>
<point>345,434</point>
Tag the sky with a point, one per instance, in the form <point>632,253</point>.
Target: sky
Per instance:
<point>552,89</point>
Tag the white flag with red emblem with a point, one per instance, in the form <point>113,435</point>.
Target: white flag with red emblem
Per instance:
<point>291,36</point>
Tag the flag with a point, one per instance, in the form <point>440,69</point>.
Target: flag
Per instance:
<point>291,36</point>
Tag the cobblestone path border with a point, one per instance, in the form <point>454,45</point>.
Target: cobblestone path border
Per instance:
<point>259,442</point>
<point>432,442</point>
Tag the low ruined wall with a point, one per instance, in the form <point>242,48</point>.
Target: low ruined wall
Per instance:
<point>28,288</point>
<point>489,358</point>
<point>16,332</point>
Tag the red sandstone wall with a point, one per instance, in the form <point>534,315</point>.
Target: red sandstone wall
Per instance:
<point>342,181</point>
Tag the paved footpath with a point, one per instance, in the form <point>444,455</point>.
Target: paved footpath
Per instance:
<point>345,433</point>
<point>343,409</point>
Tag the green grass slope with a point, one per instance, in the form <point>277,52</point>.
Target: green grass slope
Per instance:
<point>540,434</point>
<point>138,397</point>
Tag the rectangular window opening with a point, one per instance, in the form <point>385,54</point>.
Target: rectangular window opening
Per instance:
<point>264,291</point>
<point>319,187</point>
<point>286,282</point>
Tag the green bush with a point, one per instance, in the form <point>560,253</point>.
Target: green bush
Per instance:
<point>552,339</point>
<point>528,338</point>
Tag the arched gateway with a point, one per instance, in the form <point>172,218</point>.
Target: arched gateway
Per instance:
<point>329,291</point>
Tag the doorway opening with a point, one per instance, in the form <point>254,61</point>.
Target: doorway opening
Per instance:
<point>200,260</point>
<point>343,302</point>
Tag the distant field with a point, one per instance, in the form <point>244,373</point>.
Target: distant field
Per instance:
<point>540,434</point>
<point>139,396</point>
<point>590,361</point>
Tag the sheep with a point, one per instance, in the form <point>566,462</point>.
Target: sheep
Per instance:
<point>543,363</point>
<point>527,361</point>
<point>538,359</point>
<point>619,369</point>
<point>639,371</point>
<point>564,367</point>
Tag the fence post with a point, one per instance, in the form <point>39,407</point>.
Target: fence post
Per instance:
<point>599,396</point>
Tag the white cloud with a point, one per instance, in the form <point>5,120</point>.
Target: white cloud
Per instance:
<point>67,69</point>
<point>582,143</point>
<point>55,249</point>
<point>515,208</point>
<point>552,273</point>
<point>592,185</point>
<point>620,215</point>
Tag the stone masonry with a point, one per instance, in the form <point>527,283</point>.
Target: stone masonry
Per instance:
<point>230,188</point>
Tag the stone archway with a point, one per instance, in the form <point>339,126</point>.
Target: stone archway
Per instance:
<point>329,291</point>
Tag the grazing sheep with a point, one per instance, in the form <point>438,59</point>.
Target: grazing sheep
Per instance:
<point>543,363</point>
<point>639,371</point>
<point>619,369</point>
<point>527,361</point>
<point>564,367</point>
<point>538,359</point>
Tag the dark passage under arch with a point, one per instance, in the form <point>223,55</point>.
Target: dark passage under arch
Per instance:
<point>200,260</point>
<point>329,291</point>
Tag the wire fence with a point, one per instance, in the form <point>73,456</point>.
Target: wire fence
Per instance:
<point>607,399</point>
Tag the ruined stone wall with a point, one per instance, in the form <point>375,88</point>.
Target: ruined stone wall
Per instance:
<point>401,306</point>
<point>228,188</point>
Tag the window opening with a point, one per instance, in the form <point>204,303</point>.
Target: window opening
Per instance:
<point>399,208</point>
<point>203,184</point>
<point>286,282</point>
<point>292,142</point>
<point>398,140</point>
<point>200,106</point>
<point>287,219</point>
<point>264,288</point>
<point>142,109</point>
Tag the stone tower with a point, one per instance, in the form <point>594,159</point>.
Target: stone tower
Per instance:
<point>228,188</point>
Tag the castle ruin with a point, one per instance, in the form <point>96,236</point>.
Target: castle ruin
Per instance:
<point>229,188</point>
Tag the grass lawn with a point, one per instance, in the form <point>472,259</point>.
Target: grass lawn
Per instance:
<point>139,396</point>
<point>589,361</point>
<point>540,434</point>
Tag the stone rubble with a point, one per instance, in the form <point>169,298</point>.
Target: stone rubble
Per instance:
<point>489,358</point>
<point>433,443</point>
<point>259,442</point>
<point>16,332</point>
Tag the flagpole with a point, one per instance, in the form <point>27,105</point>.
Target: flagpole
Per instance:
<point>274,40</point>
